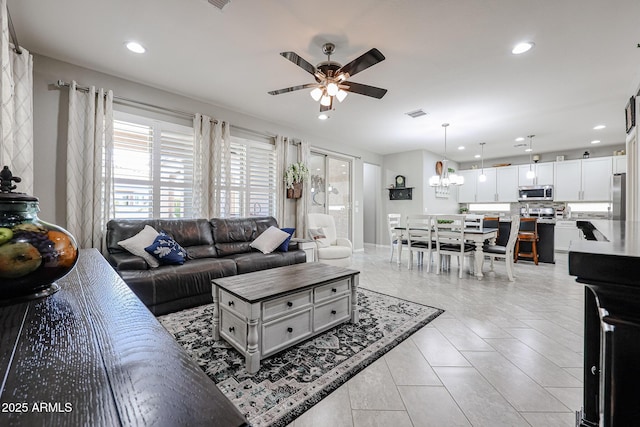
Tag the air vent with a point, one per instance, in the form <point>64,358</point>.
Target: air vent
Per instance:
<point>416,113</point>
<point>220,3</point>
<point>524,144</point>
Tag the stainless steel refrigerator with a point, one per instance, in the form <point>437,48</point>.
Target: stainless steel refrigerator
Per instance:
<point>619,196</point>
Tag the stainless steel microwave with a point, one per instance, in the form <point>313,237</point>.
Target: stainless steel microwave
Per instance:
<point>535,192</point>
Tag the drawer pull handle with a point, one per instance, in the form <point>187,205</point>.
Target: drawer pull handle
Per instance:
<point>232,329</point>
<point>334,290</point>
<point>231,303</point>
<point>289,304</point>
<point>289,330</point>
<point>333,312</point>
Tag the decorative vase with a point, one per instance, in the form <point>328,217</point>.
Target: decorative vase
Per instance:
<point>295,192</point>
<point>33,253</point>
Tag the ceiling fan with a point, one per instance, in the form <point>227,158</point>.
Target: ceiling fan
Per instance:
<point>332,79</point>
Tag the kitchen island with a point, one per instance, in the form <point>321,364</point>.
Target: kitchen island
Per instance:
<point>546,242</point>
<point>608,264</point>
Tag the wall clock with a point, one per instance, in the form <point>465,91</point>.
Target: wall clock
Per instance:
<point>400,181</point>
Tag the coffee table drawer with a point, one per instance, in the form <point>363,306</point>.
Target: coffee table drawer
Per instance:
<point>331,290</point>
<point>286,304</point>
<point>331,313</point>
<point>234,304</point>
<point>281,333</point>
<point>233,328</point>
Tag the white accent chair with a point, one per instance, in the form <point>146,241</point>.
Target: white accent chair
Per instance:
<point>449,237</point>
<point>505,252</point>
<point>420,238</point>
<point>338,250</point>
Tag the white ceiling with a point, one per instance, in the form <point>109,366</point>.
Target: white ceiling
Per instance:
<point>451,58</point>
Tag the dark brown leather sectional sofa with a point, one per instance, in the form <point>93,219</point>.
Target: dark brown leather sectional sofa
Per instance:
<point>216,248</point>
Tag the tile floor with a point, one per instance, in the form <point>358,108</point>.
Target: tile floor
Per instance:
<point>503,353</point>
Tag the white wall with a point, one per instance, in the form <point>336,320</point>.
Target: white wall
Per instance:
<point>50,128</point>
<point>417,167</point>
<point>371,202</point>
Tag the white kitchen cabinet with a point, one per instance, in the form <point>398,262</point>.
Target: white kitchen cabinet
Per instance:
<point>507,184</point>
<point>467,191</point>
<point>543,171</point>
<point>568,181</point>
<point>565,232</point>
<point>596,179</point>
<point>619,164</point>
<point>486,190</point>
<point>587,180</point>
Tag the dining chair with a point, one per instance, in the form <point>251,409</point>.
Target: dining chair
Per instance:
<point>449,238</point>
<point>491,222</point>
<point>420,238</point>
<point>528,232</point>
<point>395,236</point>
<point>505,252</point>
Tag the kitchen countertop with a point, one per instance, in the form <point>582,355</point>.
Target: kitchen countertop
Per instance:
<point>616,258</point>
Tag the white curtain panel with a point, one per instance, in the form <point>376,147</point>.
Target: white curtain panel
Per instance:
<point>16,118</point>
<point>302,205</point>
<point>282,161</point>
<point>212,162</point>
<point>89,165</point>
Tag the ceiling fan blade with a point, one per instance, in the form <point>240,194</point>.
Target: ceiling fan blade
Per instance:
<point>362,62</point>
<point>367,90</point>
<point>292,88</point>
<point>296,59</point>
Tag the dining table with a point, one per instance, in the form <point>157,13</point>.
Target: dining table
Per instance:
<point>471,234</point>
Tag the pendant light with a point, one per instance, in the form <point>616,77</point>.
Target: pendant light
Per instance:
<point>530,173</point>
<point>482,177</point>
<point>445,179</point>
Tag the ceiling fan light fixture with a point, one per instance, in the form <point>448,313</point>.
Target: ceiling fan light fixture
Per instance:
<point>325,100</point>
<point>316,94</point>
<point>332,89</point>
<point>341,95</point>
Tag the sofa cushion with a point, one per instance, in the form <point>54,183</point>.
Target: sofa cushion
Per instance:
<point>255,261</point>
<point>233,235</point>
<point>334,252</point>
<point>137,243</point>
<point>268,241</point>
<point>172,282</point>
<point>194,235</point>
<point>166,250</point>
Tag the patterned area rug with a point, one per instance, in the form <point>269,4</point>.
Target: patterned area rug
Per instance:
<point>292,381</point>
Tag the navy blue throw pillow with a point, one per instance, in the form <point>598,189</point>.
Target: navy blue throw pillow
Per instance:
<point>284,246</point>
<point>166,250</point>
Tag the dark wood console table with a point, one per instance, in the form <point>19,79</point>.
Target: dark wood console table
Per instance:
<point>93,355</point>
<point>610,270</point>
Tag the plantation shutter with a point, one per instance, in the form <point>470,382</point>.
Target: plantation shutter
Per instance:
<point>153,168</point>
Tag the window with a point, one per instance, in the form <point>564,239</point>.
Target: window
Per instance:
<point>252,179</point>
<point>153,168</point>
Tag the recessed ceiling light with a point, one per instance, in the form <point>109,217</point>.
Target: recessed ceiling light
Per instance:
<point>323,116</point>
<point>135,47</point>
<point>520,138</point>
<point>477,156</point>
<point>528,149</point>
<point>595,141</point>
<point>522,47</point>
<point>598,127</point>
<point>461,147</point>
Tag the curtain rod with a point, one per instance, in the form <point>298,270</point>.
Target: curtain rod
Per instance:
<point>62,83</point>
<point>12,33</point>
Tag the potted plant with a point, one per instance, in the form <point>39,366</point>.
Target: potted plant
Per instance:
<point>294,176</point>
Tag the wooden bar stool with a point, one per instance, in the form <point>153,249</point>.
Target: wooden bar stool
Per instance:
<point>528,232</point>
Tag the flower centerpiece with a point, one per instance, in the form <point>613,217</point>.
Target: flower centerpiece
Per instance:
<point>294,176</point>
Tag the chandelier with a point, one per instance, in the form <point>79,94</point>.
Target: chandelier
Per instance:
<point>445,177</point>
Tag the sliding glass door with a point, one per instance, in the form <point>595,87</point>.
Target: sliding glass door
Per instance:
<point>331,189</point>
